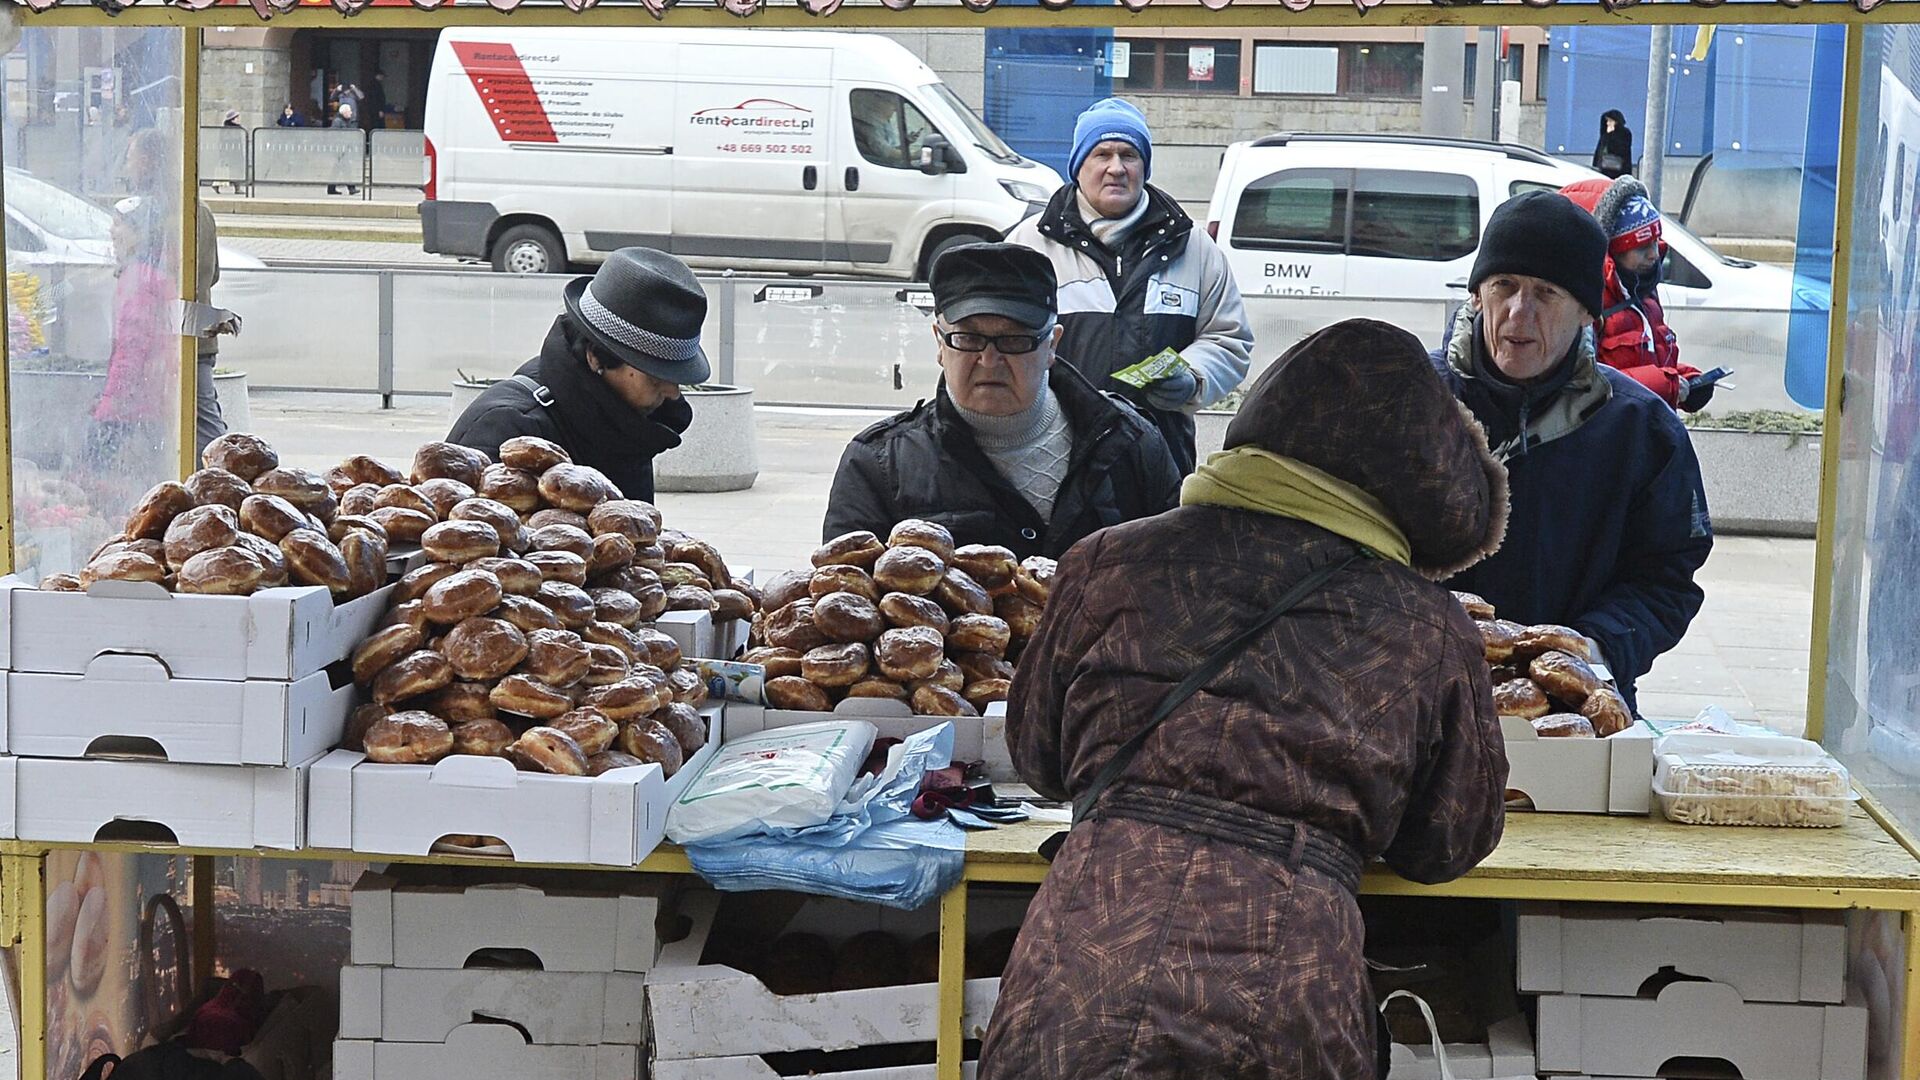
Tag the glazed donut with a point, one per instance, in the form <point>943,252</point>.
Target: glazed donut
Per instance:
<point>730,606</point>
<point>1607,711</point>
<point>839,578</point>
<point>361,469</point>
<point>687,686</point>
<point>913,570</point>
<point>947,676</point>
<point>986,692</point>
<point>570,602</point>
<point>271,516</point>
<point>227,571</point>
<point>619,637</point>
<point>312,559</point>
<point>461,595</point>
<point>545,750</point>
<point>600,764</point>
<point>790,585</point>
<point>688,726</point>
<point>492,513</point>
<point>1535,640</point>
<point>635,520</point>
<point>444,494</point>
<point>909,654</point>
<point>651,556</point>
<point>157,509</point>
<point>359,500</point>
<point>527,614</point>
<point>699,553</point>
<point>1021,615</point>
<point>628,579</point>
<point>510,487</point>
<point>589,727</point>
<point>901,610</point>
<point>483,648</point>
<point>1505,673</point>
<point>642,693</point>
<point>979,667</point>
<point>679,573</point>
<point>609,665</point>
<point>202,528</point>
<point>792,627</point>
<point>835,665</point>
<point>777,662</point>
<point>137,566</point>
<point>60,583</point>
<point>991,566</point>
<point>566,538</point>
<point>556,657</point>
<point>914,532</point>
<point>403,526</point>
<point>412,613</point>
<point>1566,678</point>
<point>406,498</point>
<point>690,598</point>
<point>461,702</point>
<point>560,566</point>
<point>153,549</point>
<point>1498,638</point>
<point>979,633</point>
<point>302,487</point>
<point>340,526</point>
<point>961,595</point>
<point>419,672</point>
<point>1520,697</point>
<point>218,487</point>
<point>461,542</point>
<point>518,577</point>
<point>414,583</point>
<point>932,700</point>
<point>556,516</point>
<point>652,743</point>
<point>1564,726</point>
<point>879,688</point>
<point>1477,607</point>
<point>359,722</point>
<point>746,588</point>
<point>846,617</point>
<point>615,606</point>
<point>1036,581</point>
<point>860,549</point>
<point>533,454</point>
<point>575,487</point>
<point>245,456</point>
<point>382,649</point>
<point>612,552</point>
<point>409,738</point>
<point>663,651</point>
<point>452,461</point>
<point>526,696</point>
<point>486,737</point>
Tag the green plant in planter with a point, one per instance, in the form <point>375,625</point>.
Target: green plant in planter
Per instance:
<point>1230,403</point>
<point>1758,421</point>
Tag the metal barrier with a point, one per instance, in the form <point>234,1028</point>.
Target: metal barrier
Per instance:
<point>226,156</point>
<point>396,158</point>
<point>309,156</point>
<point>302,155</point>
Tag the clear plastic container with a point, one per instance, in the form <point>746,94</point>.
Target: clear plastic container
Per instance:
<point>1750,780</point>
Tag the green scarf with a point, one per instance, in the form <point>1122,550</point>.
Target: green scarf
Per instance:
<point>1249,478</point>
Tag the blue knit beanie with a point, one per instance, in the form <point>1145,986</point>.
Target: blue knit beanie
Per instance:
<point>1111,118</point>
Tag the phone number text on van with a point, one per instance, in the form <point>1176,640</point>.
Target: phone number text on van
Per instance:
<point>764,148</point>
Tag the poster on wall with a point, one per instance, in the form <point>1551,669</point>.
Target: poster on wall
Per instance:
<point>1120,64</point>
<point>1200,63</point>
<point>97,982</point>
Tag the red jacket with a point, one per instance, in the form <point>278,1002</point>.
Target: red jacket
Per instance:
<point>146,350</point>
<point>1633,337</point>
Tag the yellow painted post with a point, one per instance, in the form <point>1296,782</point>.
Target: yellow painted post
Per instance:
<point>6,431</point>
<point>1838,325</point>
<point>948,1042</point>
<point>27,895</point>
<point>189,239</point>
<point>1906,1050</point>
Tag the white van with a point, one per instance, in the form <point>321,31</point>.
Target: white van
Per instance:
<point>754,150</point>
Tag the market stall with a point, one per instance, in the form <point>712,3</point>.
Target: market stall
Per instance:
<point>283,766</point>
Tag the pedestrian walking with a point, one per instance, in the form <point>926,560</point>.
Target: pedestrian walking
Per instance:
<point>343,120</point>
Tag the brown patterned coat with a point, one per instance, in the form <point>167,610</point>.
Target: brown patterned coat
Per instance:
<point>1365,713</point>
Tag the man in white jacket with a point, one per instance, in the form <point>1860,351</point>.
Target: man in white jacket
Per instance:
<point>1136,278</point>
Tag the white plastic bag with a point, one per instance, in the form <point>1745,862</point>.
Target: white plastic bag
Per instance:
<point>782,778</point>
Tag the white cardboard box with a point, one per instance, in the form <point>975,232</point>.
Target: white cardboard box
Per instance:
<point>128,703</point>
<point>1581,776</point>
<point>715,1011</point>
<point>1635,1036</point>
<point>9,798</point>
<point>693,631</point>
<point>1507,1052</point>
<point>220,806</point>
<point>554,1008</point>
<point>893,719</point>
<point>753,1068</point>
<point>1611,949</point>
<point>286,633</point>
<point>479,1051</point>
<point>435,920</point>
<point>615,819</point>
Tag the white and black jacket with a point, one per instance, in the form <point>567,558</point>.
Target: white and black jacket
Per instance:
<point>1167,286</point>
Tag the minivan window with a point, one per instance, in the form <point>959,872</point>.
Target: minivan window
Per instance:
<point>1300,210</point>
<point>1521,187</point>
<point>983,136</point>
<point>888,129</point>
<point>1403,214</point>
<point>56,210</point>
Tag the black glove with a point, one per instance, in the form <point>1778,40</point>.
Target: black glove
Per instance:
<point>1694,397</point>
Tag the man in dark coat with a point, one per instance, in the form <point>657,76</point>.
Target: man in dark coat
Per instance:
<point>1016,449</point>
<point>606,385</point>
<point>1610,520</point>
<point>1202,920</point>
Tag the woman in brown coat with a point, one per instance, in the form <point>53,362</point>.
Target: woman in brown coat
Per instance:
<point>1203,921</point>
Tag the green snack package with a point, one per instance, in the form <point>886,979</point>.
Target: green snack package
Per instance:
<point>1161,365</point>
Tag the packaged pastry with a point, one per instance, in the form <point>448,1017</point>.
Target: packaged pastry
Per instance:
<point>1764,780</point>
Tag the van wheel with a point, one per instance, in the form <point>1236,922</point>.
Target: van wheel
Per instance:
<point>529,249</point>
<point>945,245</point>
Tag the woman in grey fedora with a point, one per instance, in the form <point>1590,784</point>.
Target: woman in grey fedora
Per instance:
<point>606,385</point>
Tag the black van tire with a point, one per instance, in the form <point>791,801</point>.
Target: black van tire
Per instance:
<point>529,249</point>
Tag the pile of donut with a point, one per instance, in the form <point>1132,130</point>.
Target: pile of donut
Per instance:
<point>524,639</point>
<point>1542,673</point>
<point>912,618</point>
<point>241,524</point>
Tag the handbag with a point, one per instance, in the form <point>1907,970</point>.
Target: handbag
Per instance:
<point>1202,674</point>
<point>1612,163</point>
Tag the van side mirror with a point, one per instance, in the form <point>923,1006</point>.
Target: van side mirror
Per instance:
<point>935,155</point>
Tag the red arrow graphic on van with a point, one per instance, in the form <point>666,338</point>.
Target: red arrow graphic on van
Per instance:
<point>506,91</point>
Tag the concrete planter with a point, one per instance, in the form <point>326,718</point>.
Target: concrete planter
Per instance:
<point>231,388</point>
<point>1760,482</point>
<point>1210,432</point>
<point>719,452</point>
<point>464,392</point>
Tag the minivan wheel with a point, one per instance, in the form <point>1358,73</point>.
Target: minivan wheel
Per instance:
<point>529,249</point>
<point>945,245</point>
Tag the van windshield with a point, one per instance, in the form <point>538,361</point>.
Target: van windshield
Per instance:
<point>977,129</point>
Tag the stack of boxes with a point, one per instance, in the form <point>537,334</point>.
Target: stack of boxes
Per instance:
<point>529,976</point>
<point>1627,990</point>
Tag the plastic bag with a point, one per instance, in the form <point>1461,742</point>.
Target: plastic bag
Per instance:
<point>780,779</point>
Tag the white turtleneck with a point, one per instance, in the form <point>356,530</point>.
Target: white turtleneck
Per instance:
<point>1031,449</point>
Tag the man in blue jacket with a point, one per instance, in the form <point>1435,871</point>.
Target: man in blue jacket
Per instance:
<point>1609,521</point>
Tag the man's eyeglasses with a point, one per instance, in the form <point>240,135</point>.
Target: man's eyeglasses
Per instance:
<point>1005,344</point>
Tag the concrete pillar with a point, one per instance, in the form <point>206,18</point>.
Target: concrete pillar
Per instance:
<point>1443,69</point>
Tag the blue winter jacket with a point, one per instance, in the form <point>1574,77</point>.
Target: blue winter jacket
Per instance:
<point>1609,520</point>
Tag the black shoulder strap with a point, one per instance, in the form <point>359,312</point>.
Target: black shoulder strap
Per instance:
<point>541,395</point>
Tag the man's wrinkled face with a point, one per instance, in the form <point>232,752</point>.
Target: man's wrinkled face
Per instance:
<point>1111,177</point>
<point>987,370</point>
<point>1530,323</point>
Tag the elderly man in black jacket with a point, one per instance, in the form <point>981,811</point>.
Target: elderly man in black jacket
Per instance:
<point>1016,448</point>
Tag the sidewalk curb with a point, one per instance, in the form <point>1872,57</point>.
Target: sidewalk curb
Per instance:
<point>231,227</point>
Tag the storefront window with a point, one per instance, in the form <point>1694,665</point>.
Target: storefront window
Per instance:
<point>1351,68</point>
<point>1192,67</point>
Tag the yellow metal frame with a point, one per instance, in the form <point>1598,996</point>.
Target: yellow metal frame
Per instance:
<point>189,243</point>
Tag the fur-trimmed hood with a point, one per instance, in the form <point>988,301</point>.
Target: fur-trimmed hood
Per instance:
<point>1360,400</point>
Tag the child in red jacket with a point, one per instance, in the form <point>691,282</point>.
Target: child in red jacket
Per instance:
<point>132,415</point>
<point>1632,334</point>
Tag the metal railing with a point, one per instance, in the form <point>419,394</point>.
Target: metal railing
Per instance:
<point>246,157</point>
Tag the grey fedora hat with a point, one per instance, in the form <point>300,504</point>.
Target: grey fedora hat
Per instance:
<point>644,308</point>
